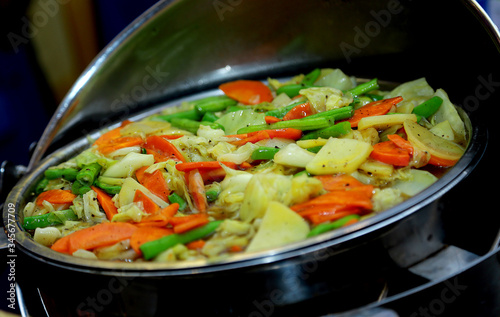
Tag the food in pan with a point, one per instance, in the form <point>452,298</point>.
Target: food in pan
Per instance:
<point>258,166</point>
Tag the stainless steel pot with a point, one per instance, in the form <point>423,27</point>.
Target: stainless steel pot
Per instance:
<point>186,48</point>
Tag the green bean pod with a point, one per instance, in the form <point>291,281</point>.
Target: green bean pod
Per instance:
<point>364,88</point>
<point>49,219</point>
<point>68,174</point>
<point>264,153</point>
<point>88,174</point>
<point>175,198</point>
<point>324,227</point>
<point>153,248</point>
<point>335,131</point>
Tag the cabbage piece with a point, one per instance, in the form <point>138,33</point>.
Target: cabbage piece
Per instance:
<point>448,112</point>
<point>130,212</point>
<point>264,188</point>
<point>417,90</point>
<point>91,206</point>
<point>275,83</point>
<point>233,187</point>
<point>127,166</point>
<point>127,193</point>
<point>417,181</point>
<point>145,128</point>
<point>293,155</point>
<point>334,78</point>
<point>212,135</point>
<point>242,154</point>
<point>236,120</point>
<point>386,198</point>
<point>46,236</point>
<point>89,156</point>
<point>326,98</point>
<point>280,225</point>
<point>194,148</point>
<point>444,130</point>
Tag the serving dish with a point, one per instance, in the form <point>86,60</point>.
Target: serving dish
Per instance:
<point>134,74</point>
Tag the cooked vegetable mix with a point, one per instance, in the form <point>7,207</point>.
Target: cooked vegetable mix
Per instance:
<point>254,168</point>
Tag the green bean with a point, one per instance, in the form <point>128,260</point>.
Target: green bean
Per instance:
<point>40,187</point>
<point>153,248</point>
<point>79,189</point>
<point>335,114</point>
<point>49,219</point>
<point>214,104</point>
<point>429,107</point>
<point>189,114</point>
<point>374,97</point>
<point>264,153</point>
<point>68,174</point>
<point>235,108</point>
<point>212,195</point>
<point>175,198</point>
<point>108,188</point>
<point>310,78</point>
<point>282,111</point>
<point>304,172</point>
<point>364,88</point>
<point>335,131</point>
<point>303,124</point>
<point>209,117</point>
<point>315,149</point>
<point>193,126</point>
<point>324,227</point>
<point>88,174</point>
<point>291,90</point>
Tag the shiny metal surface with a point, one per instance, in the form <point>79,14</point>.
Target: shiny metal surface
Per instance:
<point>179,49</point>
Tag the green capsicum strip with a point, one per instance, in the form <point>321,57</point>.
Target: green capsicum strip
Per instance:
<point>68,174</point>
<point>88,174</point>
<point>324,227</point>
<point>335,131</point>
<point>153,248</point>
<point>264,153</point>
<point>49,219</point>
<point>429,107</point>
<point>175,198</point>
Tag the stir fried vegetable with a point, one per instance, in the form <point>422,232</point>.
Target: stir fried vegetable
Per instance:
<point>254,168</point>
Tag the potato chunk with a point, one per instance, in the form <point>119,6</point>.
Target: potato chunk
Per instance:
<point>339,156</point>
<point>280,225</point>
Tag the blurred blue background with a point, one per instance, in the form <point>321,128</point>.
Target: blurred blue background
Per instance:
<point>28,96</point>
